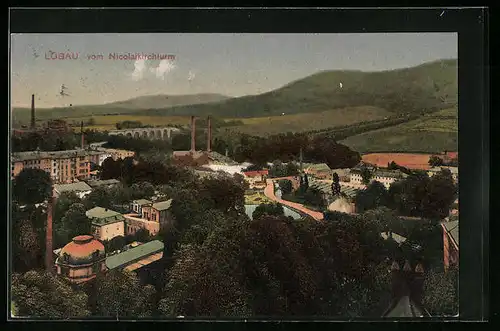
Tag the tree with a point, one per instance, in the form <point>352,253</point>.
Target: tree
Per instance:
<point>115,244</point>
<point>25,245</point>
<point>110,169</point>
<point>336,189</point>
<point>39,294</point>
<point>99,197</point>
<point>270,209</point>
<point>374,196</point>
<point>291,169</point>
<point>441,292</point>
<point>72,224</point>
<point>224,192</point>
<point>119,294</point>
<point>441,193</point>
<point>366,175</point>
<point>306,182</point>
<point>32,186</point>
<point>142,235</point>
<point>286,186</point>
<point>435,161</point>
<point>392,166</point>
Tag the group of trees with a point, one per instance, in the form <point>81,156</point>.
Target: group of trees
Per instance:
<point>436,161</point>
<point>417,195</point>
<point>286,147</point>
<point>218,262</point>
<point>279,169</point>
<point>305,194</point>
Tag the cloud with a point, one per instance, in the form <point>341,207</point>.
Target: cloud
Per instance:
<point>164,67</point>
<point>139,67</point>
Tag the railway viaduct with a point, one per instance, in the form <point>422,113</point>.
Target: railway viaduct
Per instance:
<point>147,133</point>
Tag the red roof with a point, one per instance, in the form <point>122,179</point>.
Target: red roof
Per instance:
<point>82,247</point>
<point>256,173</point>
<point>451,155</point>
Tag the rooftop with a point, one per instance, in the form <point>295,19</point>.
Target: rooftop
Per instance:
<point>256,173</point>
<point>221,158</point>
<point>452,229</point>
<point>135,254</point>
<point>36,155</point>
<point>97,183</point>
<point>163,205</point>
<point>397,238</point>
<point>103,216</point>
<point>73,187</point>
<point>142,202</point>
<point>389,173</point>
<point>318,167</point>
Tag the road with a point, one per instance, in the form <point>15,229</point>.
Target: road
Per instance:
<point>269,192</point>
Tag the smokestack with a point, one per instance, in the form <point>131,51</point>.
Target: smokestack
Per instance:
<point>83,137</point>
<point>49,263</point>
<point>193,134</point>
<point>301,157</point>
<point>32,111</point>
<point>209,138</point>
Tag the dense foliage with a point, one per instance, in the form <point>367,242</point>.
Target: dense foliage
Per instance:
<point>39,294</point>
<point>31,186</point>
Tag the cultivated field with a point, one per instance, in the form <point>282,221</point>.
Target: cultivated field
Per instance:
<point>432,133</point>
<point>263,126</point>
<point>408,160</point>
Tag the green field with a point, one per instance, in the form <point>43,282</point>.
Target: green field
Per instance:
<point>431,133</point>
<point>262,126</point>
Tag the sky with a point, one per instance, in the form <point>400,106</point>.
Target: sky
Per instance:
<point>228,64</point>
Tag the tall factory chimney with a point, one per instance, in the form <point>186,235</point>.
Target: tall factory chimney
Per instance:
<point>32,111</point>
<point>193,134</point>
<point>49,263</point>
<point>83,137</point>
<point>209,138</point>
<point>301,158</point>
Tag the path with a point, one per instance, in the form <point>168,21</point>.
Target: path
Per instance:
<point>269,192</point>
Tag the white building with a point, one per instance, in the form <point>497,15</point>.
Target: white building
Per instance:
<point>106,224</point>
<point>387,177</point>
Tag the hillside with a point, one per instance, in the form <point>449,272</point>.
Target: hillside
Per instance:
<point>432,133</point>
<point>427,87</point>
<point>264,126</point>
<point>142,103</point>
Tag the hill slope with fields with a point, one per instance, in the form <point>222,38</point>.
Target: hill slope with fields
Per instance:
<point>432,133</point>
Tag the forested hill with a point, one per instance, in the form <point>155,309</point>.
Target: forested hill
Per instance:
<point>427,87</point>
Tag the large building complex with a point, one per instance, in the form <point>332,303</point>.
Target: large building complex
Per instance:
<point>63,166</point>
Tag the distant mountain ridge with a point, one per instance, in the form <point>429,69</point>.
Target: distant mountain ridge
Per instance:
<point>425,88</point>
<point>421,89</point>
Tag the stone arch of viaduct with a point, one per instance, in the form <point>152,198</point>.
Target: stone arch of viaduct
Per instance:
<point>147,133</point>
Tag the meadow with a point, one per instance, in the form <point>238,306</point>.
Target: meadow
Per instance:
<point>264,126</point>
<point>431,133</point>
